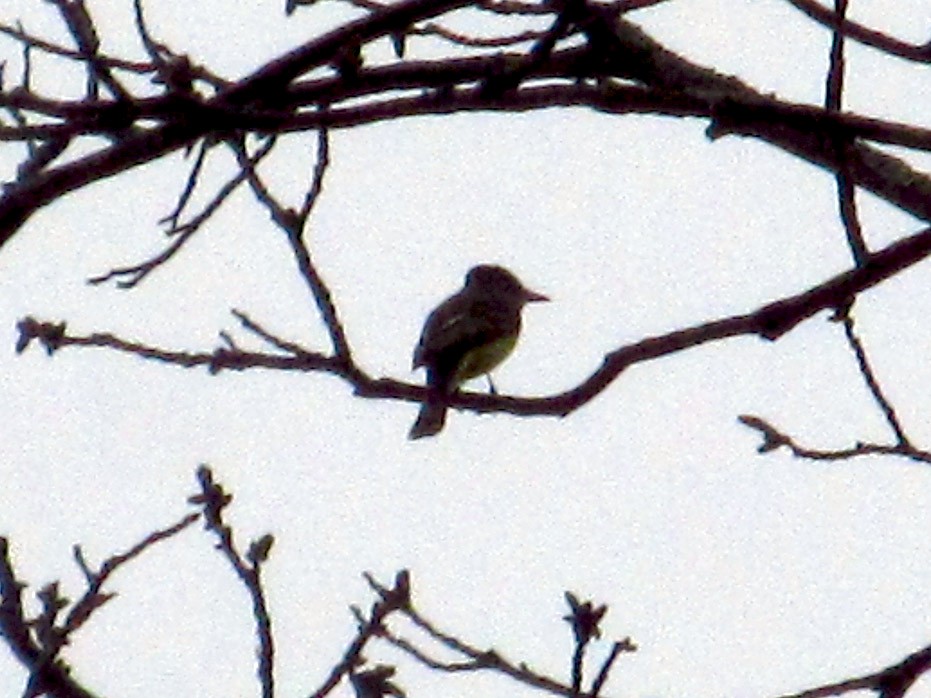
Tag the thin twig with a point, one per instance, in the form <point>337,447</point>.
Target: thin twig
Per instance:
<point>390,601</point>
<point>138,67</point>
<point>212,498</point>
<point>54,336</point>
<point>130,276</point>
<point>292,223</point>
<point>251,325</point>
<point>460,39</point>
<point>487,659</point>
<point>84,32</point>
<point>47,675</point>
<point>774,439</point>
<point>92,598</point>
<point>914,52</point>
<point>190,184</point>
<point>578,664</point>
<point>321,164</point>
<point>625,645</point>
<point>176,72</point>
<point>869,376</point>
<point>833,101</point>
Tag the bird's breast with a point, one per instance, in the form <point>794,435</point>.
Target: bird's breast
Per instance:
<point>483,359</point>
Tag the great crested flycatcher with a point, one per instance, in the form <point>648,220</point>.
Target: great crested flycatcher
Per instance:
<point>466,336</point>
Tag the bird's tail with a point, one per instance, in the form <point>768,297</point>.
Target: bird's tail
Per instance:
<point>431,419</point>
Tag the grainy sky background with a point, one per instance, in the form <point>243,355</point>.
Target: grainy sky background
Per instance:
<point>736,574</point>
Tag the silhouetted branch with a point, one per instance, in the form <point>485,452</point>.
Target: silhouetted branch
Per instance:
<point>390,601</point>
<point>277,342</point>
<point>770,322</point>
<point>585,619</point>
<point>190,185</point>
<point>132,275</point>
<point>37,642</point>
<point>625,645</point>
<point>833,100</point>
<point>919,53</point>
<point>51,48</point>
<point>46,674</point>
<point>93,598</point>
<point>892,682</point>
<point>478,659</point>
<point>618,56</point>
<point>319,172</point>
<point>213,499</point>
<point>460,39</point>
<point>869,376</point>
<point>84,32</point>
<point>774,439</point>
<point>293,224</point>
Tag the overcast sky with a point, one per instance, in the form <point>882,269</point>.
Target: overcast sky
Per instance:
<point>735,573</point>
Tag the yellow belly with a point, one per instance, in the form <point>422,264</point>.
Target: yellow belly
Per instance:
<point>483,359</point>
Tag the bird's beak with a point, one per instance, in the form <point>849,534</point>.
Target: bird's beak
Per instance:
<point>534,297</point>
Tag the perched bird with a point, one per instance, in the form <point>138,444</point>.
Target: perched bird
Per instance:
<point>468,335</point>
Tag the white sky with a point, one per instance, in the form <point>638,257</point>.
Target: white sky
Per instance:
<point>736,574</point>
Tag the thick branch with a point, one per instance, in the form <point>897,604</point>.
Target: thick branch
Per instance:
<point>273,77</point>
<point>770,322</point>
<point>670,85</point>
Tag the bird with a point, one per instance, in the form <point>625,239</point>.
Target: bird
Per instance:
<point>466,336</point>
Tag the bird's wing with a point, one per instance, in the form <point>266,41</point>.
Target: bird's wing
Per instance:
<point>451,330</point>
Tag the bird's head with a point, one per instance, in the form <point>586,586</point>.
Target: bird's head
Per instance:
<point>498,280</point>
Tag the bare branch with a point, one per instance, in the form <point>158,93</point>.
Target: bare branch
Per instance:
<point>53,336</point>
<point>390,601</point>
<point>31,40</point>
<point>865,35</point>
<point>459,39</point>
<point>515,7</point>
<point>213,499</point>
<point>84,33</point>
<point>130,276</point>
<point>190,185</point>
<point>93,598</point>
<point>319,172</point>
<point>833,97</point>
<point>769,322</point>
<point>177,73</point>
<point>292,223</point>
<point>625,645</point>
<point>869,376</point>
<point>262,102</point>
<point>773,439</point>
<point>48,674</point>
<point>485,659</point>
<point>892,682</point>
<point>277,342</point>
<point>324,50</point>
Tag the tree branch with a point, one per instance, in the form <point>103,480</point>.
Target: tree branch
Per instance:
<point>770,322</point>
<point>870,37</point>
<point>892,682</point>
<point>213,499</point>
